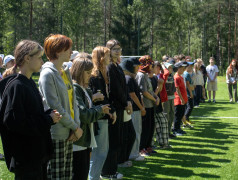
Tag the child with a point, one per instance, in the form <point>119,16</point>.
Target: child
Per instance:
<point>180,98</point>
<point>81,72</point>
<point>212,73</point>
<point>198,83</point>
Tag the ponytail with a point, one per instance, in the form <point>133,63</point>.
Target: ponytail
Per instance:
<point>10,71</point>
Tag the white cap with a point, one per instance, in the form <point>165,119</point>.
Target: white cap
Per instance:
<point>7,59</point>
<point>2,56</point>
<point>73,55</point>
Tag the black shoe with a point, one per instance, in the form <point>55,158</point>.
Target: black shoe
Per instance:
<point>181,131</point>
<point>171,136</point>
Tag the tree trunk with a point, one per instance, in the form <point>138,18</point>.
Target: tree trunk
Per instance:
<point>229,33</point>
<point>105,20</point>
<point>218,35</point>
<point>31,10</point>
<point>151,31</point>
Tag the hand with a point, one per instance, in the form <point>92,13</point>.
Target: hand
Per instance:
<point>157,101</point>
<point>55,115</point>
<point>78,133</point>
<point>182,101</point>
<point>72,137</point>
<point>105,109</point>
<point>234,82</point>
<point>129,108</point>
<point>98,97</point>
<point>114,117</point>
<point>143,112</point>
<point>191,96</point>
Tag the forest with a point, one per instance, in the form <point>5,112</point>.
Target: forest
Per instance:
<point>199,28</point>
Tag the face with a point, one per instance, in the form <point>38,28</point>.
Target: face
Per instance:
<point>157,69</point>
<point>116,52</point>
<point>211,61</point>
<point>170,69</point>
<point>10,64</point>
<point>65,55</point>
<point>189,68</point>
<point>181,70</point>
<point>35,62</point>
<point>107,58</point>
<point>87,75</point>
<point>233,63</point>
<point>136,68</point>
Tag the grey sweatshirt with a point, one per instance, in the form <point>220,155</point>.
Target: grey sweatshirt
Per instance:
<point>55,96</point>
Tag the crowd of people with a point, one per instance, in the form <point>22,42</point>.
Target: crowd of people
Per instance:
<point>93,113</point>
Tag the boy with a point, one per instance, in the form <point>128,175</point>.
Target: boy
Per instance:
<point>212,72</point>
<point>180,98</point>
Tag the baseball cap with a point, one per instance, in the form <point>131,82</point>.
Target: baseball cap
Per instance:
<point>73,55</point>
<point>181,64</point>
<point>7,59</point>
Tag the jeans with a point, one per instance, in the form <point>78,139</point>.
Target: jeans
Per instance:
<point>234,86</point>
<point>169,110</point>
<point>198,95</point>
<point>99,154</point>
<point>148,127</point>
<point>137,123</point>
<point>189,108</point>
<point>179,113</point>
<point>115,144</point>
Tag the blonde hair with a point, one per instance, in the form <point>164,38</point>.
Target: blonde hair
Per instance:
<point>23,48</point>
<point>81,63</point>
<point>98,59</point>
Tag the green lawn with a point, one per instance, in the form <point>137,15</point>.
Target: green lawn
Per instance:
<point>209,151</point>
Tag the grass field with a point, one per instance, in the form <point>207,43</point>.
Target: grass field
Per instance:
<point>209,151</point>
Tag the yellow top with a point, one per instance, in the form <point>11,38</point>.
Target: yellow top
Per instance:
<point>70,92</point>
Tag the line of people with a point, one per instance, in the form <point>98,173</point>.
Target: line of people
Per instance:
<point>94,113</point>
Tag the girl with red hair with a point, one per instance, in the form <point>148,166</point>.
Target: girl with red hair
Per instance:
<point>231,79</point>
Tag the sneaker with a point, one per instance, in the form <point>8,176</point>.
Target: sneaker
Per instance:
<point>196,106</point>
<point>139,158</point>
<point>114,176</point>
<point>214,101</point>
<point>125,164</point>
<point>171,136</point>
<point>150,150</point>
<point>209,101</point>
<point>181,131</point>
<point>177,133</point>
<point>231,100</point>
<point>144,153</point>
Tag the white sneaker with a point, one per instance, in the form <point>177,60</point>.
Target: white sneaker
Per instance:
<point>115,176</point>
<point>139,158</point>
<point>231,100</point>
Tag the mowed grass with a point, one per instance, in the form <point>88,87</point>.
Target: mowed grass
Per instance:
<point>209,151</point>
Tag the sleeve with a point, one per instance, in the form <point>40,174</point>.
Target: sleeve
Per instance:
<point>165,75</point>
<point>130,86</point>
<point>16,118</point>
<point>87,115</point>
<point>216,68</point>
<point>48,91</point>
<point>141,83</point>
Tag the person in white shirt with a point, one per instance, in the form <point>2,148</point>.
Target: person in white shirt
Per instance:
<point>212,72</point>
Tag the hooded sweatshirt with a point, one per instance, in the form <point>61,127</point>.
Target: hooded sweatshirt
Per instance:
<point>55,95</point>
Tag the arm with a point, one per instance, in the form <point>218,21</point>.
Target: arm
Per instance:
<point>136,100</point>
<point>48,91</point>
<point>87,115</point>
<point>189,88</point>
<point>180,95</point>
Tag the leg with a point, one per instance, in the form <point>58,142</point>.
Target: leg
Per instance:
<point>235,91</point>
<point>230,91</point>
<point>99,154</point>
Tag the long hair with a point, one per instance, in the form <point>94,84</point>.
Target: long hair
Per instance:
<point>230,68</point>
<point>98,59</point>
<point>80,64</point>
<point>23,48</point>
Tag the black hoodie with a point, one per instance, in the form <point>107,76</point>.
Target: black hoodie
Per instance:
<point>24,126</point>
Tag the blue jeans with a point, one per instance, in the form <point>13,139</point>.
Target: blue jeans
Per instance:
<point>137,123</point>
<point>99,154</point>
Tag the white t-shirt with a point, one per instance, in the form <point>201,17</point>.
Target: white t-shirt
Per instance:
<point>211,72</point>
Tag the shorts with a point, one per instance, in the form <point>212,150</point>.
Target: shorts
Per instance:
<point>212,86</point>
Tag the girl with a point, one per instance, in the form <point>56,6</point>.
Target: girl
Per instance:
<point>118,97</point>
<point>150,99</point>
<point>81,72</point>
<point>57,90</point>
<point>231,79</point>
<point>24,126</point>
<point>198,83</point>
<point>161,123</point>
<point>99,83</point>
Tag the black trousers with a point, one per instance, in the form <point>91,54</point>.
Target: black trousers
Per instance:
<point>81,164</point>
<point>198,95</point>
<point>23,172</point>
<point>129,136</point>
<point>189,108</point>
<point>179,113</point>
<point>115,132</point>
<point>148,127</point>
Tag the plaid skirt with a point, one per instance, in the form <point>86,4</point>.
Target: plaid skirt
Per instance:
<point>161,129</point>
<point>61,165</point>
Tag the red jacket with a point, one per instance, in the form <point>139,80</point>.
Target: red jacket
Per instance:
<point>163,93</point>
